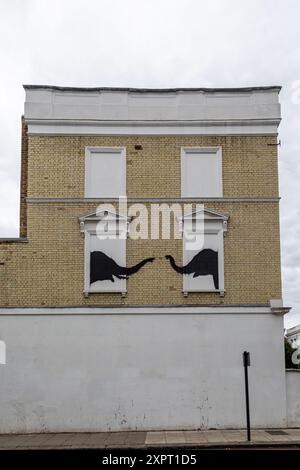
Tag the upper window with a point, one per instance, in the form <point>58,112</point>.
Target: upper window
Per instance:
<point>105,172</point>
<point>201,172</point>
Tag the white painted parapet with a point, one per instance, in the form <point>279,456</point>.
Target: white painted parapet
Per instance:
<point>63,110</point>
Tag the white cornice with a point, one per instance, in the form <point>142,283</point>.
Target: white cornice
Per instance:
<point>86,127</point>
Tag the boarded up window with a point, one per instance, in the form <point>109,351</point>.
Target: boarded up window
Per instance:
<point>201,172</point>
<point>203,261</point>
<point>105,172</point>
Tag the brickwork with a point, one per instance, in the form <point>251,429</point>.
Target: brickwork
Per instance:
<point>57,164</point>
<point>48,270</point>
<point>24,179</point>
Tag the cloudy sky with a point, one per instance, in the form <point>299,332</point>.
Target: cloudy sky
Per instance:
<point>157,43</point>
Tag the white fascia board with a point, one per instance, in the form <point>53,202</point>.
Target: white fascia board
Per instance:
<point>71,127</point>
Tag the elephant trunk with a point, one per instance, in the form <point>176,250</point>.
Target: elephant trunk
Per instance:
<point>178,269</point>
<point>137,267</point>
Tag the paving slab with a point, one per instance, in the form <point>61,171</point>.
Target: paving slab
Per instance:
<point>260,436</point>
<point>195,437</point>
<point>29,440</point>
<point>116,439</point>
<point>156,437</point>
<point>10,439</point>
<point>293,431</point>
<point>294,434</point>
<point>214,436</point>
<point>56,440</point>
<point>86,440</point>
<point>175,437</point>
<point>135,438</point>
<point>280,438</point>
<point>132,439</point>
<point>234,436</point>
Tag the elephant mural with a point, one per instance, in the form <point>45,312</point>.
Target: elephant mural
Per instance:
<point>102,268</point>
<point>203,263</point>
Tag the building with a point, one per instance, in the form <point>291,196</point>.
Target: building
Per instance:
<point>88,349</point>
<point>293,336</point>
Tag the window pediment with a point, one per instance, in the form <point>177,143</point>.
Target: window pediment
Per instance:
<point>90,220</point>
<point>210,217</point>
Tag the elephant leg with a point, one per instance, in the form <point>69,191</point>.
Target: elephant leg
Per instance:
<point>216,280</point>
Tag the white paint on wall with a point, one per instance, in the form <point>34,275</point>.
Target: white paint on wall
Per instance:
<point>293,397</point>
<point>128,371</point>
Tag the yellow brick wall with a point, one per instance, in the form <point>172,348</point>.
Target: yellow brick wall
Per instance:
<point>48,270</point>
<point>56,164</point>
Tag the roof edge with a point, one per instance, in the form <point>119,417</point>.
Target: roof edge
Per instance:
<point>153,90</point>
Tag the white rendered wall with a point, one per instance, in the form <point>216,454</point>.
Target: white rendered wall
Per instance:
<point>42,103</point>
<point>293,397</point>
<point>151,371</point>
<point>52,111</point>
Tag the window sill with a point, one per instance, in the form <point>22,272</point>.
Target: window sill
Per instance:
<point>208,291</point>
<point>123,293</point>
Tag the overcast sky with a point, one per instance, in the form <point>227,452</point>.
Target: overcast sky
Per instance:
<point>155,43</point>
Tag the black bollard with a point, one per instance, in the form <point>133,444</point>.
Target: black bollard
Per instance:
<point>246,361</point>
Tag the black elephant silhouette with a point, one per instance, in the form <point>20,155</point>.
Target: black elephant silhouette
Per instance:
<point>102,268</point>
<point>205,262</point>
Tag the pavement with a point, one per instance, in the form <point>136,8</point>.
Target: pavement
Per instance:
<point>147,439</point>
